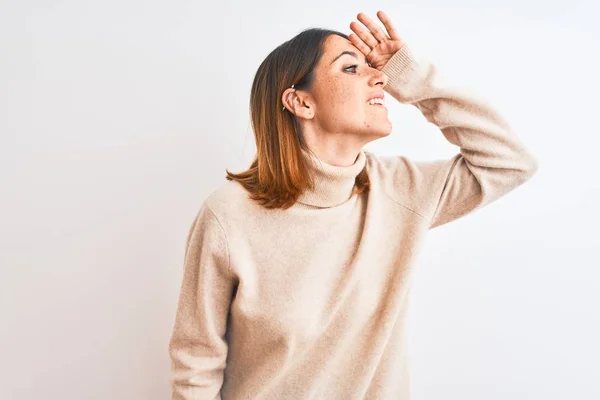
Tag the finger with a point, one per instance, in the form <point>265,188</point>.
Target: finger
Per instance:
<point>359,44</point>
<point>389,27</point>
<point>364,35</point>
<point>373,27</point>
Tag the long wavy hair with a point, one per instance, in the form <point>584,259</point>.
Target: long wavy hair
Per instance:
<point>279,172</point>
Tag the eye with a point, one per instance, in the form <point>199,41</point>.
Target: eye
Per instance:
<point>353,67</point>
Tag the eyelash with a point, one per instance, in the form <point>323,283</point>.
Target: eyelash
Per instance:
<point>355,66</point>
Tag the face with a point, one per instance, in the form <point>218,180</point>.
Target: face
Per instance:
<point>340,95</point>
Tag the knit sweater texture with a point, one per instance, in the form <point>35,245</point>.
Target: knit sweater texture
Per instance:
<point>311,302</point>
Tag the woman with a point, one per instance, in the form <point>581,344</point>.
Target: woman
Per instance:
<point>297,271</point>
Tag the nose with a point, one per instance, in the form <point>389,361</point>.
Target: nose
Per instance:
<point>378,78</point>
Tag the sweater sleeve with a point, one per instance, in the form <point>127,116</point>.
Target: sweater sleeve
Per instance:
<point>491,162</point>
<point>198,348</point>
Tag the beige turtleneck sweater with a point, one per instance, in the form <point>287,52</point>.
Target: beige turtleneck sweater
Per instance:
<point>310,302</point>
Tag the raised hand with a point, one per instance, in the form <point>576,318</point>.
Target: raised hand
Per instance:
<point>373,42</point>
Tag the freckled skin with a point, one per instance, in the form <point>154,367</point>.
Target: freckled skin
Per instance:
<point>334,117</point>
<point>339,95</point>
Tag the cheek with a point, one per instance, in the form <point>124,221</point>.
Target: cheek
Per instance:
<point>344,105</point>
<point>348,97</point>
<point>339,96</point>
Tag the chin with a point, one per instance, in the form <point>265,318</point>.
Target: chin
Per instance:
<point>385,133</point>
<point>385,130</point>
<point>375,131</point>
<point>378,134</point>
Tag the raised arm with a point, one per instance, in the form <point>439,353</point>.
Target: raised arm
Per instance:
<point>492,159</point>
<point>491,162</point>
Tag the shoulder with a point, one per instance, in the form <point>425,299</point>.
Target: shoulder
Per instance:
<point>384,166</point>
<point>230,203</point>
<point>412,183</point>
<point>411,171</point>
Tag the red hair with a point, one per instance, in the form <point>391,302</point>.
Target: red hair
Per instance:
<point>279,172</point>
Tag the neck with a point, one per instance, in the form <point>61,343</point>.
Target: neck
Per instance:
<point>336,157</point>
<point>333,184</point>
<point>336,149</point>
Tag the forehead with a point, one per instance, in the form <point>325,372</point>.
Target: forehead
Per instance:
<point>334,45</point>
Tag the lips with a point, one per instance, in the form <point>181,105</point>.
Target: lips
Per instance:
<point>376,102</point>
<point>376,99</point>
<point>376,95</point>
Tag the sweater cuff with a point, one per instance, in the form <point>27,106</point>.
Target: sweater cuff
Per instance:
<point>402,64</point>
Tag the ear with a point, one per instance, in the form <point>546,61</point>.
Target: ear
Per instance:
<point>299,103</point>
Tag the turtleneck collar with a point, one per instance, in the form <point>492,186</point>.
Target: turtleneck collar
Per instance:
<point>333,184</point>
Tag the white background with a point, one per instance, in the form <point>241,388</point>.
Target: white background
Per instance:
<point>118,118</point>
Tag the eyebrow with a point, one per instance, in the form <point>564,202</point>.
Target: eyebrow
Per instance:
<point>350,53</point>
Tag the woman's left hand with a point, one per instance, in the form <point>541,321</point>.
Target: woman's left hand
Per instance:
<point>374,43</point>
